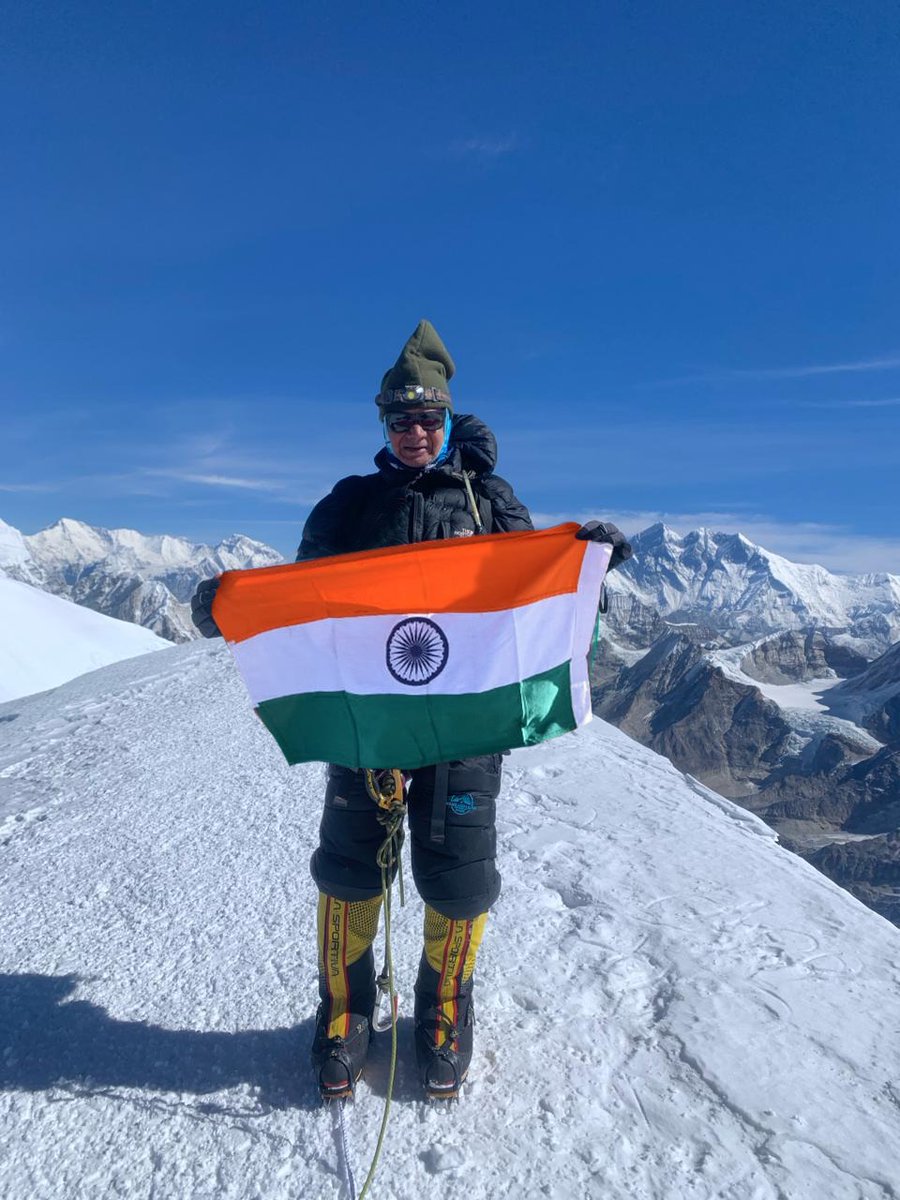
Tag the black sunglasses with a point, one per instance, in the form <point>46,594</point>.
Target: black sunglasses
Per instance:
<point>401,422</point>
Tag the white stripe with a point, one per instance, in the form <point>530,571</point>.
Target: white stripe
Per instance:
<point>593,568</point>
<point>349,654</point>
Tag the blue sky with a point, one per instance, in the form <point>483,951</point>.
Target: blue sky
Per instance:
<point>661,242</point>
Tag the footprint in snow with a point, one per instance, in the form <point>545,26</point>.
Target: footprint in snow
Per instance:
<point>545,772</point>
<point>571,894</point>
<point>437,1159</point>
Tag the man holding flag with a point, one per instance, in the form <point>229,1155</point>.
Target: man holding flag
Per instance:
<point>434,481</point>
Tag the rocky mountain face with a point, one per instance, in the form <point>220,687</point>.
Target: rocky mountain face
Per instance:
<point>682,705</point>
<point>872,697</point>
<point>870,868</point>
<point>147,580</point>
<point>798,656</point>
<point>775,683</point>
<point>861,797</point>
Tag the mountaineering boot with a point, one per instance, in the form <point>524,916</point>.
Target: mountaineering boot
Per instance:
<point>444,1013</point>
<point>444,1049</point>
<point>338,1061</point>
<point>346,930</point>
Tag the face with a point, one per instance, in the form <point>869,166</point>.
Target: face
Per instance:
<point>415,446</point>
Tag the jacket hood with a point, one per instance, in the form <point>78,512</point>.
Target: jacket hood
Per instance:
<point>472,448</point>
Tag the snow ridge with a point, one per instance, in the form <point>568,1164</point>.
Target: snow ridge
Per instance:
<point>669,1003</point>
<point>49,640</point>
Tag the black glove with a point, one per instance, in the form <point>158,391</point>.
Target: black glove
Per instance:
<point>603,531</point>
<point>201,607</point>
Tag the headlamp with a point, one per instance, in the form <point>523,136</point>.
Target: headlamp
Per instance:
<point>413,393</point>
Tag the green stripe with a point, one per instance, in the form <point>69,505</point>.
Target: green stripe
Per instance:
<point>414,731</point>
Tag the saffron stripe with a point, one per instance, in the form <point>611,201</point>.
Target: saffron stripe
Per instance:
<point>487,573</point>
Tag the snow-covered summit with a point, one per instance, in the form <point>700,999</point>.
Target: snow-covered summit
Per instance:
<point>670,1005</point>
<point>727,579</point>
<point>15,558</point>
<point>46,640</point>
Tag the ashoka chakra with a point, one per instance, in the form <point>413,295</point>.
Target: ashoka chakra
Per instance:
<point>417,651</point>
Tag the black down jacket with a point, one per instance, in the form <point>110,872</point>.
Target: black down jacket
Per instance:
<point>395,506</point>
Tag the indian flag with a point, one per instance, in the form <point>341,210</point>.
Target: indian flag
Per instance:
<point>419,654</point>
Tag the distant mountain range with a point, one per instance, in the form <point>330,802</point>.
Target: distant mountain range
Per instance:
<point>725,582</point>
<point>148,580</point>
<point>776,683</point>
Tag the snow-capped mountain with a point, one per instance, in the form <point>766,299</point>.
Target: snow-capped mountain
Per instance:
<point>67,548</point>
<point>726,581</point>
<point>125,574</point>
<point>15,559</point>
<point>47,640</point>
<point>669,1004</point>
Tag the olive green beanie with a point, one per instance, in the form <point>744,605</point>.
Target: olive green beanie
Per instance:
<point>420,375</point>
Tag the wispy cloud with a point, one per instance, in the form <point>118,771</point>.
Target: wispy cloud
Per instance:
<point>29,487</point>
<point>213,480</point>
<point>216,462</point>
<point>268,468</point>
<point>836,547</point>
<point>892,363</point>
<point>485,149</point>
<point>807,371</point>
<point>894,402</point>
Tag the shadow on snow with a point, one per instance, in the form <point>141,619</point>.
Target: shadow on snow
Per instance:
<point>49,1041</point>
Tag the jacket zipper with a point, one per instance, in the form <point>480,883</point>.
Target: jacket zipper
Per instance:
<point>473,503</point>
<point>418,517</point>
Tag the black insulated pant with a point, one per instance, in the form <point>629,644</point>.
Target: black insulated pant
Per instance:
<point>452,834</point>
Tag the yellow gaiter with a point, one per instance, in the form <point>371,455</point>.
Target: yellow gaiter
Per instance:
<point>451,947</point>
<point>345,932</point>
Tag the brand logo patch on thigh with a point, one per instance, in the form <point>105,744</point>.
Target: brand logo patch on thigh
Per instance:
<point>462,803</point>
